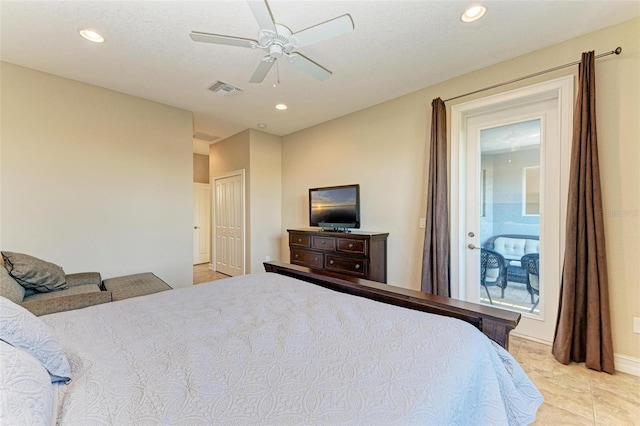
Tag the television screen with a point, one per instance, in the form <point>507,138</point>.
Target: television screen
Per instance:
<point>335,207</point>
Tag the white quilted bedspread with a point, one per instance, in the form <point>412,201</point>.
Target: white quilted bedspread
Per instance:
<point>267,349</point>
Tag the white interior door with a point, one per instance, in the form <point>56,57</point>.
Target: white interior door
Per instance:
<point>511,180</point>
<point>229,224</point>
<point>201,223</point>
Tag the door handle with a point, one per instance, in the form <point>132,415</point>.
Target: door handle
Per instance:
<point>473,246</point>
<point>196,227</point>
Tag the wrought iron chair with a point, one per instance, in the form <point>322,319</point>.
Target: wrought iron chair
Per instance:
<point>493,271</point>
<point>531,264</point>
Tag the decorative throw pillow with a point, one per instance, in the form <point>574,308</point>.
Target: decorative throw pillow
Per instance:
<point>9,287</point>
<point>27,393</point>
<point>23,330</point>
<point>33,273</point>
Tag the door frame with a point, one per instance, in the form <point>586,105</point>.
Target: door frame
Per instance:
<point>214,254</point>
<point>563,90</point>
<point>206,186</point>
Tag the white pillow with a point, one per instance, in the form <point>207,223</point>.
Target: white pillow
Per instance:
<point>26,389</point>
<point>23,330</point>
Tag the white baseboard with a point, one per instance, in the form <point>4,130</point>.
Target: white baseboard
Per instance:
<point>623,363</point>
<point>627,364</point>
<point>533,339</point>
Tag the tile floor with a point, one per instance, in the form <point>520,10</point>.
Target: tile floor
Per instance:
<point>516,298</point>
<point>203,274</point>
<point>573,395</point>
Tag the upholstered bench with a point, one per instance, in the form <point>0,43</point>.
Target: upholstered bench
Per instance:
<point>134,285</point>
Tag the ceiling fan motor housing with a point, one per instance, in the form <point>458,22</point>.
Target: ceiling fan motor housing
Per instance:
<point>277,43</point>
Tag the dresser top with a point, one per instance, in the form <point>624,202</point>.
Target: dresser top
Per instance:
<point>320,231</point>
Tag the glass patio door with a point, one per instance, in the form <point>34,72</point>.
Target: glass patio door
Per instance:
<point>509,216</point>
<point>510,204</point>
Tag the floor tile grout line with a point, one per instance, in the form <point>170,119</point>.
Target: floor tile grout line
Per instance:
<point>593,403</point>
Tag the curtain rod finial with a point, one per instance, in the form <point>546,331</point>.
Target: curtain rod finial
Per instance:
<point>618,50</point>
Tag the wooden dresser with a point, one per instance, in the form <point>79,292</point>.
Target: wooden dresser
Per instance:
<point>358,254</point>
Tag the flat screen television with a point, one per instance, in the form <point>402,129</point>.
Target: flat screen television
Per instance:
<point>335,207</point>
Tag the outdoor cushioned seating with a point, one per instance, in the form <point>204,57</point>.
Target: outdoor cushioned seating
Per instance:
<point>43,288</point>
<point>512,247</point>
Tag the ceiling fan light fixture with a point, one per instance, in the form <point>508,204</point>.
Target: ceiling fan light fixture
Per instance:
<point>281,107</point>
<point>473,13</point>
<point>91,35</point>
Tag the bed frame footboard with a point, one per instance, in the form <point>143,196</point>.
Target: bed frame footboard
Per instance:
<point>495,323</point>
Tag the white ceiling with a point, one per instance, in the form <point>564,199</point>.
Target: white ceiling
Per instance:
<point>397,47</point>
<point>511,137</point>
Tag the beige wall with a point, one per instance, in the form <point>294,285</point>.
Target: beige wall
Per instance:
<point>265,195</point>
<point>259,155</point>
<point>231,155</point>
<point>384,149</point>
<point>200,168</point>
<point>95,180</point>
<point>380,148</point>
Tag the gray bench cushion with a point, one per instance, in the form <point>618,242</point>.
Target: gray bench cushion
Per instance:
<point>9,287</point>
<point>134,285</point>
<point>75,297</point>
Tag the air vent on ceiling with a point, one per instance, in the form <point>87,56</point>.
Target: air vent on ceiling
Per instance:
<point>224,89</point>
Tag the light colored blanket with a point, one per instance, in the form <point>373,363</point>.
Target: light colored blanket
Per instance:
<point>267,349</point>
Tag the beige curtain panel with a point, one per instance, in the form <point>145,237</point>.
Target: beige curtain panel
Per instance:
<point>583,330</point>
<point>435,260</point>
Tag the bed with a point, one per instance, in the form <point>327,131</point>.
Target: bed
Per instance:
<point>273,348</point>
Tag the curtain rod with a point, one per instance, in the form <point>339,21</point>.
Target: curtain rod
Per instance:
<point>613,52</point>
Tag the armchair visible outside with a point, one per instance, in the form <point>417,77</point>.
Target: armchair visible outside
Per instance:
<point>493,271</point>
<point>531,264</point>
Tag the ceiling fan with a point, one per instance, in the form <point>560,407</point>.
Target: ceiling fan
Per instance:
<point>279,41</point>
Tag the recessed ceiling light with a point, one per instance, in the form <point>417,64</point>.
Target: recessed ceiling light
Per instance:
<point>473,13</point>
<point>281,107</point>
<point>262,126</point>
<point>91,36</point>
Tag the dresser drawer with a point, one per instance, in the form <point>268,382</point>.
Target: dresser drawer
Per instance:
<point>323,243</point>
<point>299,240</point>
<point>311,259</point>
<point>352,266</point>
<point>353,254</point>
<point>352,246</point>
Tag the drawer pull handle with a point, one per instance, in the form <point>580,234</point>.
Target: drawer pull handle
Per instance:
<point>350,245</point>
<point>331,262</point>
<point>324,242</point>
<point>299,240</point>
<point>315,260</point>
<point>296,256</point>
<point>357,266</point>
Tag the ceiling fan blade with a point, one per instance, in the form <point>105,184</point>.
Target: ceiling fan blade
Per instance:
<point>222,39</point>
<point>262,70</point>
<point>314,69</point>
<point>262,13</point>
<point>324,31</point>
